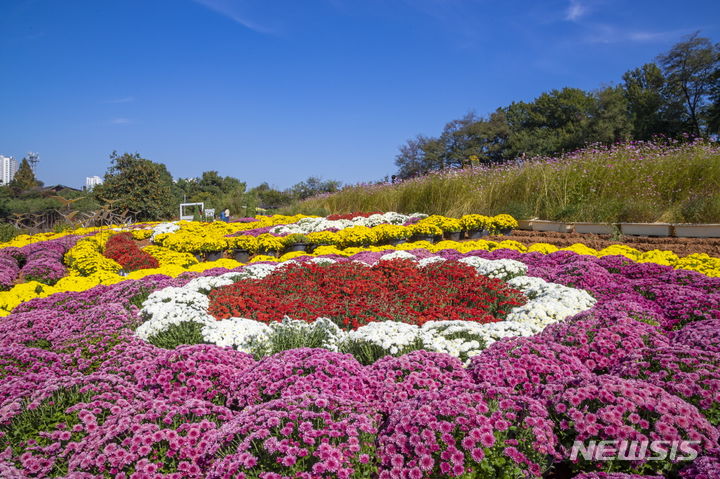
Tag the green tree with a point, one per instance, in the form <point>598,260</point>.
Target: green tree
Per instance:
<point>610,120</point>
<point>270,198</point>
<point>313,186</point>
<point>139,186</point>
<point>554,122</point>
<point>653,111</point>
<point>714,108</point>
<point>416,157</point>
<point>24,178</point>
<point>690,68</point>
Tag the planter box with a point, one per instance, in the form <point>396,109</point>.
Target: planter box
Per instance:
<point>525,225</point>
<point>553,226</point>
<point>595,228</point>
<point>697,231</point>
<point>646,229</point>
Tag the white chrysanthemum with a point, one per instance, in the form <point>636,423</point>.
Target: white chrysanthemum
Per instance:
<point>465,339</point>
<point>504,269</point>
<point>398,255</point>
<point>431,260</point>
<point>171,306</point>
<point>164,228</point>
<point>322,261</point>
<point>548,302</point>
<point>323,329</point>
<point>206,284</point>
<point>240,333</point>
<point>313,225</point>
<point>391,336</point>
<point>258,270</point>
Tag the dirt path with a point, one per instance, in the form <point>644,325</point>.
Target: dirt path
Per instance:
<point>679,246</point>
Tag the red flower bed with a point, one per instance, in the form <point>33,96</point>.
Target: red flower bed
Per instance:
<point>349,216</point>
<point>122,248</point>
<point>353,295</point>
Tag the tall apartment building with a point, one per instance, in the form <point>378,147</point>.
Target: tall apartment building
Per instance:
<point>92,181</point>
<point>8,168</point>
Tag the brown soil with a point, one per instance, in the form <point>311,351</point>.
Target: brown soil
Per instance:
<point>679,246</point>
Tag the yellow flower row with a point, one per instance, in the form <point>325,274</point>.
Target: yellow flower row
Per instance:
<point>194,236</point>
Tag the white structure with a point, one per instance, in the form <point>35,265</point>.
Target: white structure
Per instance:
<point>92,181</point>
<point>187,210</point>
<point>8,168</point>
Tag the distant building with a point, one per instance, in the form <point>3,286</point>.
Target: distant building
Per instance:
<point>8,168</point>
<point>92,181</point>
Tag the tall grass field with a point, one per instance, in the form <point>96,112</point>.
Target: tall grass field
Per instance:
<point>628,182</point>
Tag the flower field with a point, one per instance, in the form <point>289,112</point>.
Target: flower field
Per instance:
<point>366,345</point>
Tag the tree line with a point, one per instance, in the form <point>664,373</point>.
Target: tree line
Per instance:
<point>145,190</point>
<point>677,94</point>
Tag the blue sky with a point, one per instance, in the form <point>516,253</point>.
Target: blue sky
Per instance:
<point>279,90</point>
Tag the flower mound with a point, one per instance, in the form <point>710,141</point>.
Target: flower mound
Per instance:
<point>406,377</point>
<point>700,334</point>
<point>448,435</point>
<point>603,342</point>
<point>354,295</point>
<point>526,365</point>
<point>691,374</point>
<point>310,436</point>
<point>605,407</point>
<point>298,371</point>
<point>706,466</point>
<point>192,372</point>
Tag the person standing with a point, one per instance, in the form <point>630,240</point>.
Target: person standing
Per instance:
<point>226,214</point>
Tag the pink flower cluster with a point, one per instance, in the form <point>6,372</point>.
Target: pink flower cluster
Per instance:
<point>306,436</point>
<point>300,371</point>
<point>691,374</point>
<point>606,407</point>
<point>450,434</point>
<point>602,341</point>
<point>526,365</point>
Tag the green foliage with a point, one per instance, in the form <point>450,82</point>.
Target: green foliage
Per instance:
<point>293,334</point>
<point>8,232</point>
<point>186,332</point>
<point>313,186</point>
<point>368,352</point>
<point>691,68</point>
<point>140,186</point>
<point>24,178</point>
<point>39,343</point>
<point>651,110</point>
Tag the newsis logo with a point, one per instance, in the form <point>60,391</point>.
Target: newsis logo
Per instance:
<point>634,450</point>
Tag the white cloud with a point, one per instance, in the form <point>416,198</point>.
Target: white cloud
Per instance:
<point>121,121</point>
<point>230,9</point>
<point>575,11</point>
<point>608,34</point>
